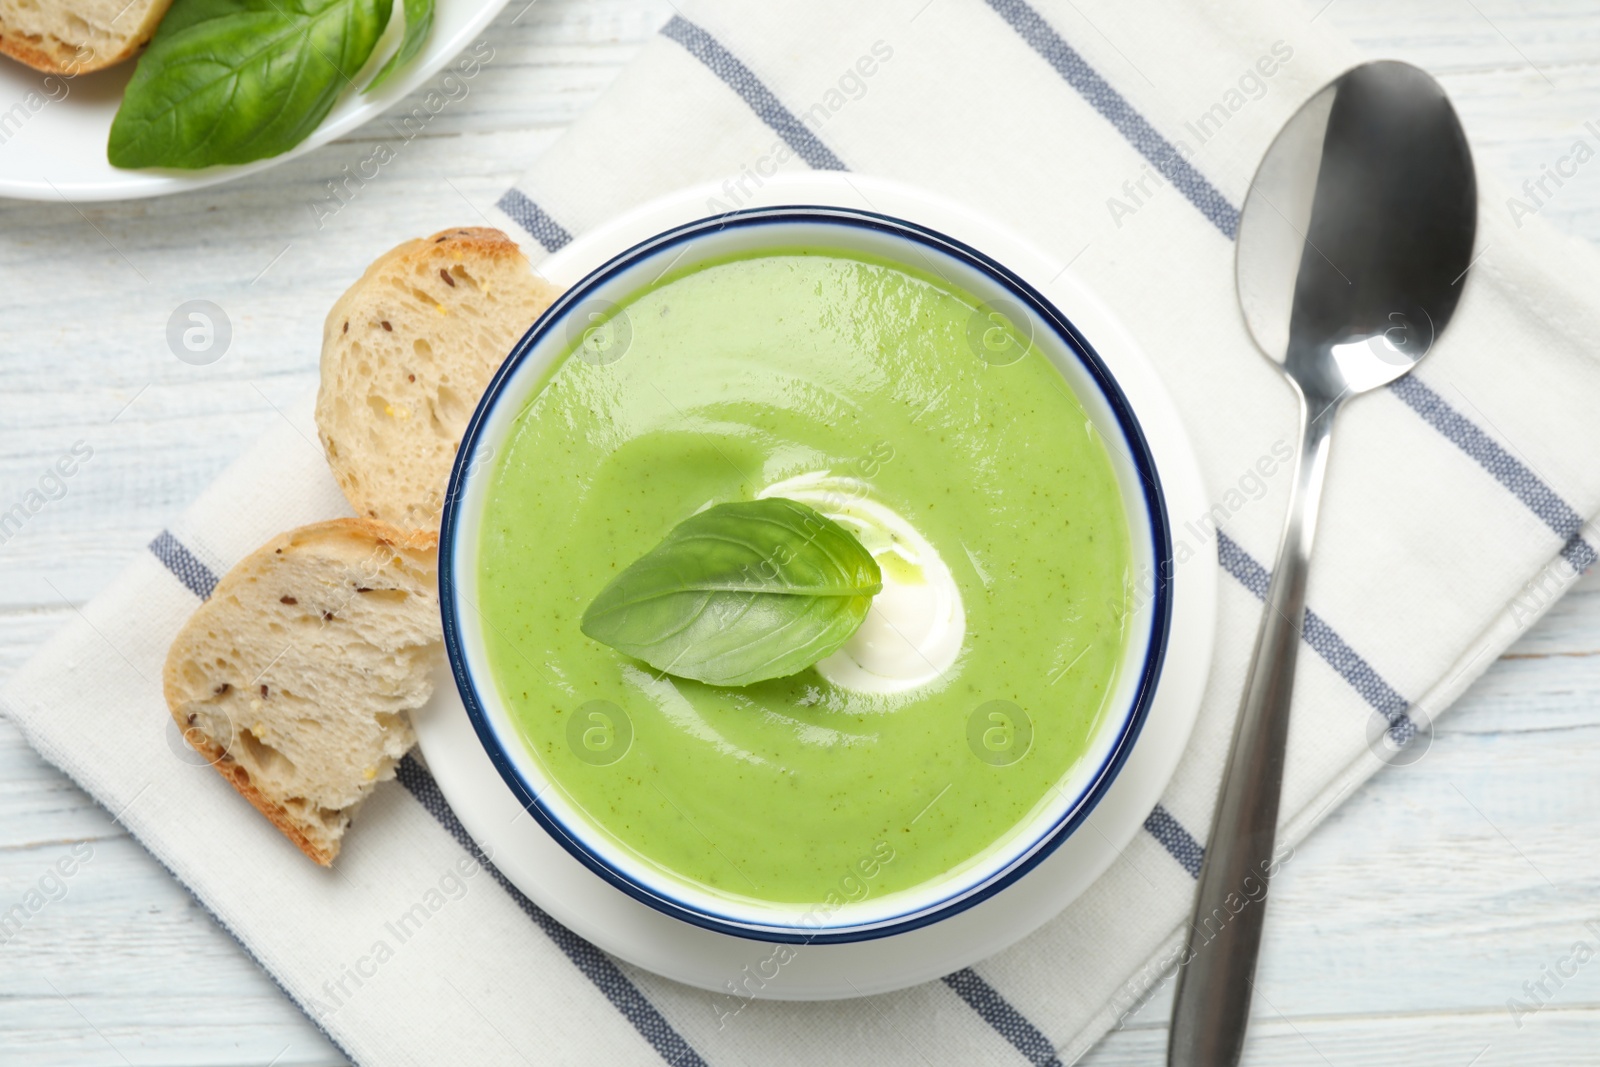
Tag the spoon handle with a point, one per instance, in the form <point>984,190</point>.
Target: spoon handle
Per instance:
<point>1217,968</point>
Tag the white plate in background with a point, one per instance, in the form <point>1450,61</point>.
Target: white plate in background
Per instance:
<point>53,129</point>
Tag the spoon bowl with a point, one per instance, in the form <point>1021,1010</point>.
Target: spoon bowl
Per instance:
<point>1357,231</point>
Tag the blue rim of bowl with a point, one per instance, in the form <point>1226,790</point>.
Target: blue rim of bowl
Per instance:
<point>1155,510</point>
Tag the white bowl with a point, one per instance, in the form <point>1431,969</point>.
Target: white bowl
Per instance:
<point>1157,690</point>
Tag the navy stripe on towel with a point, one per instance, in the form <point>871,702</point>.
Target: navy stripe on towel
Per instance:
<point>596,965</point>
<point>1162,154</point>
<point>1318,634</point>
<point>1509,471</point>
<point>1326,643</point>
<point>531,217</point>
<point>725,65</point>
<point>195,576</point>
<point>1007,1021</point>
<point>1176,840</point>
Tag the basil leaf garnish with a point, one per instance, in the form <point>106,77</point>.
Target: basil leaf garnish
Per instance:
<point>739,593</point>
<point>419,22</point>
<point>230,81</point>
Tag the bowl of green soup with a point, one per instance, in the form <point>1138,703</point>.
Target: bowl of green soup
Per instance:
<point>808,574</point>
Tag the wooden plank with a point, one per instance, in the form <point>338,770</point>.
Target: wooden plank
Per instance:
<point>119,966</point>
<point>1449,1039</point>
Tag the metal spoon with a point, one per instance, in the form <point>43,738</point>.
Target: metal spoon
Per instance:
<point>1352,246</point>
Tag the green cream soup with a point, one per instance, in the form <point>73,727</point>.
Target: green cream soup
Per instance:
<point>717,383</point>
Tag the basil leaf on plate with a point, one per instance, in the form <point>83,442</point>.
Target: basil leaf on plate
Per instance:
<point>739,593</point>
<point>419,22</point>
<point>231,81</point>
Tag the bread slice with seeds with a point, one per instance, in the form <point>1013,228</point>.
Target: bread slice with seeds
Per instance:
<point>296,678</point>
<point>75,37</point>
<point>406,353</point>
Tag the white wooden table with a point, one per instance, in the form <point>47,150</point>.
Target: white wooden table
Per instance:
<point>1397,935</point>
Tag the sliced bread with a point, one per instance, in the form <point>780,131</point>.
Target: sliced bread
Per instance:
<point>295,679</point>
<point>77,36</point>
<point>406,354</point>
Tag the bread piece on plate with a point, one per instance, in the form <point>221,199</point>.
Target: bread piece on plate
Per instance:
<point>406,354</point>
<point>77,36</point>
<point>296,678</point>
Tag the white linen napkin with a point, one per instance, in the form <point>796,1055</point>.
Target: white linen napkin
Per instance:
<point>1120,138</point>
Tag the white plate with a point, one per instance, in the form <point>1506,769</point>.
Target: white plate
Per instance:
<point>591,907</point>
<point>58,151</point>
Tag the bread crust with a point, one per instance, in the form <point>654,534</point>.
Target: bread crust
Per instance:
<point>344,421</point>
<point>24,50</point>
<point>480,240</point>
<point>239,778</point>
<point>365,532</point>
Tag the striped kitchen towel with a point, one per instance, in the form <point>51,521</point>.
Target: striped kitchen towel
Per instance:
<point>1120,138</point>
